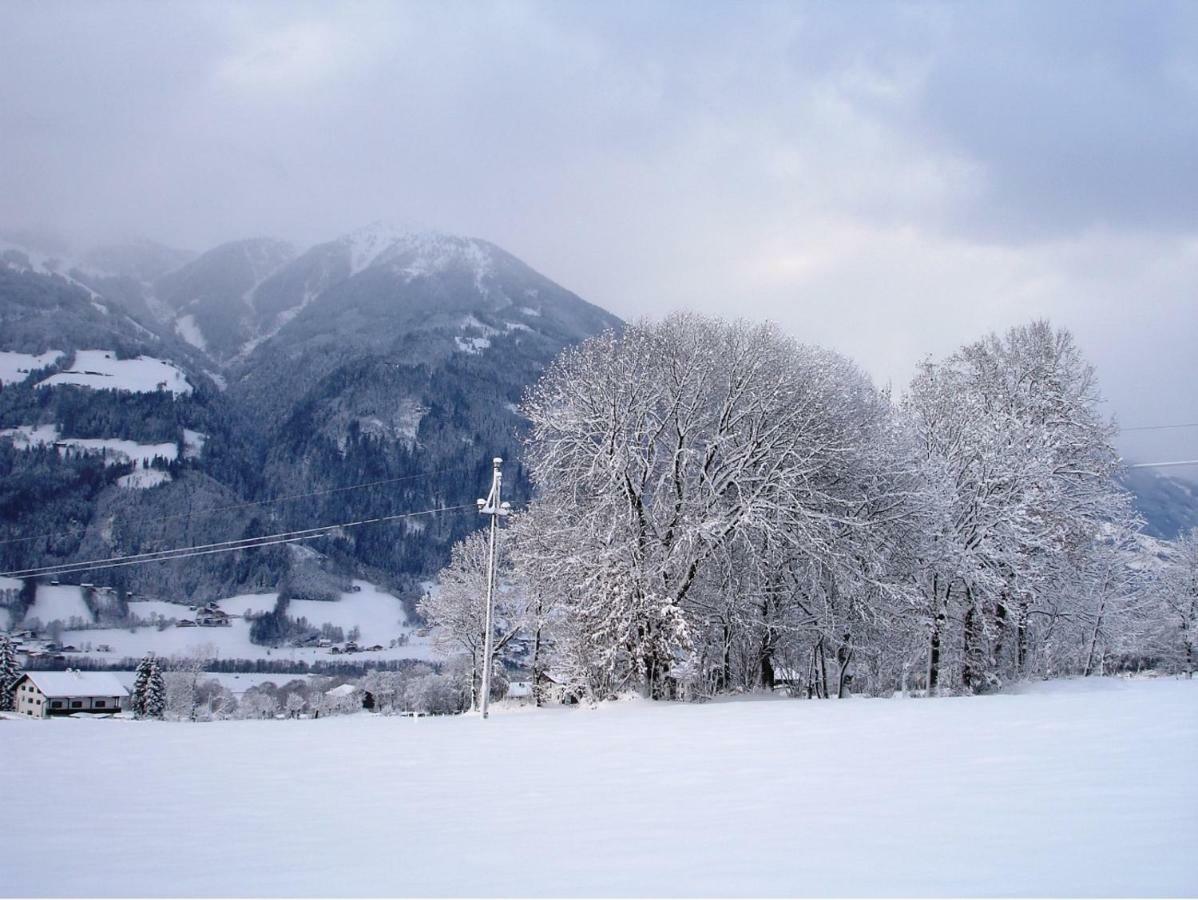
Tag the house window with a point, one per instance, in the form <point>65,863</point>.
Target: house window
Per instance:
<point>57,704</point>
<point>76,704</point>
<point>99,703</point>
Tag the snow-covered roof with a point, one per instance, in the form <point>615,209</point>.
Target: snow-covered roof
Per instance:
<point>77,684</point>
<point>342,690</point>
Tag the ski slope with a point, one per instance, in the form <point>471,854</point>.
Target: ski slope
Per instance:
<point>1068,789</point>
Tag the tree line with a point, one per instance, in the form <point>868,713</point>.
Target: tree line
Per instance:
<point>721,508</point>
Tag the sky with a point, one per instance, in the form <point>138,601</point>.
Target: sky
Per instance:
<point>889,180</point>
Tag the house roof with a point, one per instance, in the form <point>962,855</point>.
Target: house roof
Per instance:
<point>77,684</point>
<point>342,690</point>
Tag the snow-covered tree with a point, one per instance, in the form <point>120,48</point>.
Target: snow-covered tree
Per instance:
<point>9,673</point>
<point>155,692</point>
<point>141,685</point>
<point>1178,593</point>
<point>294,705</point>
<point>655,448</point>
<point>1018,470</point>
<point>456,607</point>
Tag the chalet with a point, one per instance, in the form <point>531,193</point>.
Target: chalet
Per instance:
<point>211,616</point>
<point>519,690</point>
<point>43,694</point>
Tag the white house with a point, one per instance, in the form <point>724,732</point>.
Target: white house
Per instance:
<point>42,694</point>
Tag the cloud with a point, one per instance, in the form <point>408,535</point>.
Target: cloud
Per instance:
<point>887,180</point>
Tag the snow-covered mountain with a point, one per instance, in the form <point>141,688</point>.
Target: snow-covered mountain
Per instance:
<point>387,354</point>
<point>210,301</point>
<point>1168,504</point>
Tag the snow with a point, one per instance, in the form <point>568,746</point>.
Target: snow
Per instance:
<point>101,369</point>
<point>232,642</point>
<point>115,450</point>
<point>27,436</point>
<point>144,478</point>
<point>118,450</point>
<point>188,329</point>
<point>14,367</point>
<point>426,252</point>
<point>472,345</point>
<point>248,603</point>
<point>193,443</point>
<point>61,602</point>
<point>147,609</point>
<point>379,615</point>
<point>1052,792</point>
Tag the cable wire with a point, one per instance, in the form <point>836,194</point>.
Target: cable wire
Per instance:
<point>286,498</point>
<point>1159,427</point>
<point>283,537</point>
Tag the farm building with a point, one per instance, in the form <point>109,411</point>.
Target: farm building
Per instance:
<point>42,694</point>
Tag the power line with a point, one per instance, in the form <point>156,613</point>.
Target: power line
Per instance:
<point>286,498</point>
<point>283,537</point>
<point>1159,427</point>
<point>1164,465</point>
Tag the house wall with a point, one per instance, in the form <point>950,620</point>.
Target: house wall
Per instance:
<point>32,703</point>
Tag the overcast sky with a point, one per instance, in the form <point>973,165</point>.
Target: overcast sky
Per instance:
<point>887,180</point>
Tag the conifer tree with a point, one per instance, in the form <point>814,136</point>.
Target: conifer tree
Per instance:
<point>155,703</point>
<point>9,673</point>
<point>141,685</point>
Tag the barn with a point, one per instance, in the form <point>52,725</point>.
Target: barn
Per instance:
<point>43,694</point>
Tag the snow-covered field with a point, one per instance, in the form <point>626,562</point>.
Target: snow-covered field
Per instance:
<point>16,367</point>
<point>1066,789</point>
<point>377,614</point>
<point>115,450</point>
<point>61,602</point>
<point>101,369</point>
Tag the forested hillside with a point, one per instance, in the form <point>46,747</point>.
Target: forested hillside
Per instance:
<point>149,399</point>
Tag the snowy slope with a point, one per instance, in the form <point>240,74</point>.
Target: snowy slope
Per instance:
<point>58,602</point>
<point>17,366</point>
<point>378,615</point>
<point>101,369</point>
<point>1059,792</point>
<point>225,642</point>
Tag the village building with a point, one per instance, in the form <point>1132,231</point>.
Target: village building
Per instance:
<point>44,694</point>
<point>211,616</point>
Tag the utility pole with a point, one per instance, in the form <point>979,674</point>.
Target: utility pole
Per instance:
<point>493,507</point>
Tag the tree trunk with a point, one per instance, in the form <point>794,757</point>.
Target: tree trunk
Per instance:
<point>537,699</point>
<point>934,655</point>
<point>1089,670</point>
<point>1022,638</point>
<point>843,657</point>
<point>968,649</point>
<point>726,669</point>
<point>768,677</point>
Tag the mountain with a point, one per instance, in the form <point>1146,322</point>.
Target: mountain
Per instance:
<point>1168,504</point>
<point>393,354</point>
<point>149,398</point>
<point>211,300</point>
